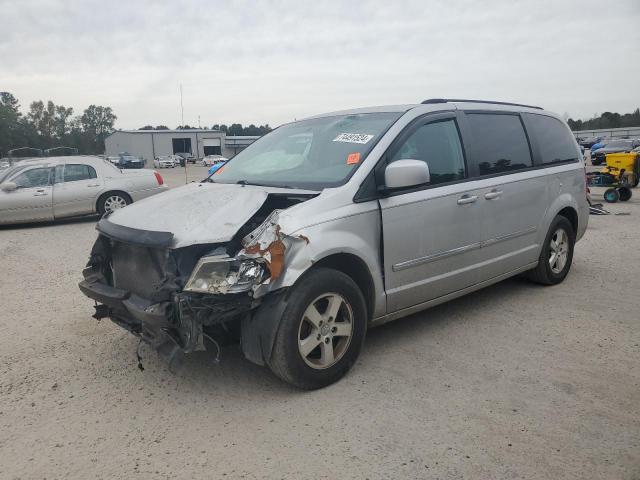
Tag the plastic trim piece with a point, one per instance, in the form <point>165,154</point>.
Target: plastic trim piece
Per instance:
<point>461,100</point>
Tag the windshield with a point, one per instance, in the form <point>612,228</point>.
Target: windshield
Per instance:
<point>311,154</point>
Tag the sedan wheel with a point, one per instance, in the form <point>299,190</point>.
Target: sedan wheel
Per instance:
<point>325,331</point>
<point>111,202</point>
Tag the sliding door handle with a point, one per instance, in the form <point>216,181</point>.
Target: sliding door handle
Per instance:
<point>464,199</point>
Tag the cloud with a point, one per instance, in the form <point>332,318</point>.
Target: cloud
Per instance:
<point>259,62</point>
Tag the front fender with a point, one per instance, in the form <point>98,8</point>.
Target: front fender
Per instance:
<point>358,235</point>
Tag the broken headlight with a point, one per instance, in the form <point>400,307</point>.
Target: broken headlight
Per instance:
<point>222,274</point>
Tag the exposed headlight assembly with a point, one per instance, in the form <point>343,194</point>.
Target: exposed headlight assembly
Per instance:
<point>222,274</point>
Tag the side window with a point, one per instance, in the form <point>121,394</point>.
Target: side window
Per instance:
<point>437,144</point>
<point>554,141</point>
<point>37,177</point>
<point>74,173</point>
<point>500,141</point>
<point>58,175</point>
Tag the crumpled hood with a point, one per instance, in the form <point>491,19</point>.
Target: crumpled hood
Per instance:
<point>195,213</point>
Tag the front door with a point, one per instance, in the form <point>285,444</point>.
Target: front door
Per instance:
<point>431,235</point>
<point>31,200</point>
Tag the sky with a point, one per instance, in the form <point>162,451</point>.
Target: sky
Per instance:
<point>274,61</point>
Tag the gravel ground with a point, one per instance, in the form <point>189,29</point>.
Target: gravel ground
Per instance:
<point>514,381</point>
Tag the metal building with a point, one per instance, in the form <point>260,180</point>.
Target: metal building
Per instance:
<point>150,144</point>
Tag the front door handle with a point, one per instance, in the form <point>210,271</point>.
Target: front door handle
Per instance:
<point>492,194</point>
<point>40,193</point>
<point>93,185</point>
<point>464,199</point>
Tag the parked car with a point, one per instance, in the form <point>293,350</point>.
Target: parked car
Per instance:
<point>188,157</point>
<point>215,167</point>
<point>164,161</point>
<point>589,142</point>
<point>328,226</point>
<point>615,146</point>
<point>210,160</point>
<point>601,143</point>
<point>128,161</point>
<point>57,187</point>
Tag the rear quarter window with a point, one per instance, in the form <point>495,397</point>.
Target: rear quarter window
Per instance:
<point>552,138</point>
<point>500,142</point>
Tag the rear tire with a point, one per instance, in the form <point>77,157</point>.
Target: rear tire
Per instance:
<point>111,201</point>
<point>624,193</point>
<point>556,256</point>
<point>321,331</point>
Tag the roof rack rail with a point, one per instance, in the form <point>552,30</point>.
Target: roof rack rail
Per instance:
<point>446,100</point>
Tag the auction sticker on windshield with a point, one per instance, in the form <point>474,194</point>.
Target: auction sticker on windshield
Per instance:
<point>353,138</point>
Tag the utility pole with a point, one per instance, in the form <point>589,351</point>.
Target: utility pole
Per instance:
<point>186,178</point>
<point>181,107</point>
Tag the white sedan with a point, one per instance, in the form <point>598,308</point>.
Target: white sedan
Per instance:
<point>164,161</point>
<point>47,189</point>
<point>211,160</point>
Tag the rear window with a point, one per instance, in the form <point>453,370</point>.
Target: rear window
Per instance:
<point>553,139</point>
<point>501,144</point>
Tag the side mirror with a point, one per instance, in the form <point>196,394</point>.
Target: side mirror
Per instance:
<point>406,173</point>
<point>8,186</point>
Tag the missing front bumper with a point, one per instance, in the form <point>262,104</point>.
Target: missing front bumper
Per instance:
<point>167,325</point>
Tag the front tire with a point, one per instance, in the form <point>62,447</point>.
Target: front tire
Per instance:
<point>555,259</point>
<point>611,195</point>
<point>321,331</point>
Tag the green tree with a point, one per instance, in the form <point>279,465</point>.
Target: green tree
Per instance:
<point>235,129</point>
<point>97,122</point>
<point>146,127</point>
<point>9,122</point>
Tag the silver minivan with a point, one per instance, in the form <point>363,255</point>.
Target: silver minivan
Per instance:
<point>330,225</point>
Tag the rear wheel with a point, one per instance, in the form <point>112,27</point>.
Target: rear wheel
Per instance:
<point>321,331</point>
<point>112,201</point>
<point>557,253</point>
<point>624,193</point>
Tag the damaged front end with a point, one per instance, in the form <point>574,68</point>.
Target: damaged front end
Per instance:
<point>175,299</point>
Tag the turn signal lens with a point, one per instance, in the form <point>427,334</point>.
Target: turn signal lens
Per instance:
<point>159,178</point>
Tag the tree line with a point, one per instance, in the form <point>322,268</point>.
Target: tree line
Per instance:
<point>607,120</point>
<point>47,125</point>
<point>233,129</point>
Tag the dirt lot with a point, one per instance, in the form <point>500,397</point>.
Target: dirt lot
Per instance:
<point>515,381</point>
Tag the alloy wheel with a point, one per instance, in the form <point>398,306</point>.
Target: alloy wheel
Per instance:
<point>325,331</point>
<point>558,251</point>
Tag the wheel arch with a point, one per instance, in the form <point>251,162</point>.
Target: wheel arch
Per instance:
<point>570,214</point>
<point>355,268</point>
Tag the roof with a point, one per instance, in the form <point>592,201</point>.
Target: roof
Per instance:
<point>435,104</point>
<point>58,160</point>
<point>188,130</point>
<point>377,109</point>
